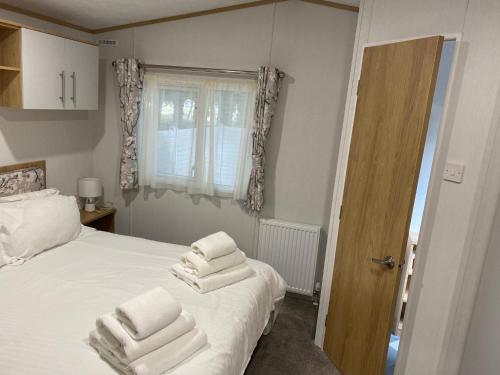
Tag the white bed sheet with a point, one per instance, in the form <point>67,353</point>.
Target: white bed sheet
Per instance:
<point>49,305</point>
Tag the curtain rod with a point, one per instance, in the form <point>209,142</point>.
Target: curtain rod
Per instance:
<point>246,73</point>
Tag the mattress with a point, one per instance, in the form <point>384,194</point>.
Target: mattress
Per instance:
<point>49,305</point>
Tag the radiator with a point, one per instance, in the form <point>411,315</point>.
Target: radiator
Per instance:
<point>292,249</point>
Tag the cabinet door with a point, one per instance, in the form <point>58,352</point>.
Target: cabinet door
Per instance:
<point>42,70</point>
<point>82,75</point>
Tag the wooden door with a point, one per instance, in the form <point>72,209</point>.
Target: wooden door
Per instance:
<point>42,70</point>
<point>82,75</point>
<point>392,113</point>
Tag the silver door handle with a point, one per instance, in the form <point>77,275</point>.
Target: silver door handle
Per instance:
<point>73,77</point>
<point>63,85</point>
<point>387,261</point>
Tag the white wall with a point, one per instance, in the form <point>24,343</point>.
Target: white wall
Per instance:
<point>62,138</point>
<point>482,352</point>
<point>312,44</point>
<point>460,216</point>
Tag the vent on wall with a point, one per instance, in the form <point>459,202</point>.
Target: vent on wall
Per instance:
<point>107,42</point>
<point>292,250</point>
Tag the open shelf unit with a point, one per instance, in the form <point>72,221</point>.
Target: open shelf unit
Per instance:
<point>10,66</point>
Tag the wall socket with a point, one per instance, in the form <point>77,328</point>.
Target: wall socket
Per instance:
<point>454,172</point>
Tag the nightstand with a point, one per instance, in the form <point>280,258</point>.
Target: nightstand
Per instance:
<point>101,219</point>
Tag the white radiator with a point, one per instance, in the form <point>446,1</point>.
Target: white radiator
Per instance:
<point>292,249</point>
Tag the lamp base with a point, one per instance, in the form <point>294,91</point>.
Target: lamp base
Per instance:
<point>89,207</point>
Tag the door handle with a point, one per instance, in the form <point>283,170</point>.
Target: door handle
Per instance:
<point>387,261</point>
<point>63,85</point>
<point>73,77</point>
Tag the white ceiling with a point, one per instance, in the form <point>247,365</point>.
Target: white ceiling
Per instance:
<point>96,14</point>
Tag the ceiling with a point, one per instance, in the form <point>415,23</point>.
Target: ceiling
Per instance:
<point>98,14</point>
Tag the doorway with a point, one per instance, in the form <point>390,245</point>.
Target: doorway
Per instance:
<point>394,102</point>
<point>411,253</point>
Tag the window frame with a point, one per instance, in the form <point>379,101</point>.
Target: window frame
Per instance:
<point>197,182</point>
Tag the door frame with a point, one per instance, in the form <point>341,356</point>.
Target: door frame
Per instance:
<point>435,181</point>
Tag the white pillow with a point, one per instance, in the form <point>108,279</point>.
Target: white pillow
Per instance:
<point>4,259</point>
<point>31,195</point>
<point>31,226</point>
<point>4,237</point>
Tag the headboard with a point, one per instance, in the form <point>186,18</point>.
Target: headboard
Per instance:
<point>22,178</point>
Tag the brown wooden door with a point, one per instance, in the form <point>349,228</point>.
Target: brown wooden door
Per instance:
<point>392,113</point>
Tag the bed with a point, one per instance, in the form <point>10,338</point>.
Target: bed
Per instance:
<point>50,303</point>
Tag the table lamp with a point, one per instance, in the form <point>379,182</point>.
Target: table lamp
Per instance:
<point>90,189</point>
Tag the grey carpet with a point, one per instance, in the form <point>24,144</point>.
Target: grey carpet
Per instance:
<point>289,349</point>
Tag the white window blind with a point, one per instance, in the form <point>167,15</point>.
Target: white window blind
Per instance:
<point>194,134</point>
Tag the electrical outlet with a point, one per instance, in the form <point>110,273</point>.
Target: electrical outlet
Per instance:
<point>454,172</point>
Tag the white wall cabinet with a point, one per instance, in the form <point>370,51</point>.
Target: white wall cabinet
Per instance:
<point>58,73</point>
<point>42,64</point>
<point>82,75</point>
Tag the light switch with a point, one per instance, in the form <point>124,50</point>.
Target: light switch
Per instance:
<point>454,172</point>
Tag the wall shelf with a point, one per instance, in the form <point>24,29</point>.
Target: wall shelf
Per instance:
<point>10,68</point>
<point>10,62</point>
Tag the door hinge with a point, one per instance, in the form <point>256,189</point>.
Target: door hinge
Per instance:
<point>326,319</point>
<point>340,213</point>
<point>357,89</point>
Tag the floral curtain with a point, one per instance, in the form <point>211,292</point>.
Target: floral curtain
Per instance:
<point>265,105</point>
<point>130,76</point>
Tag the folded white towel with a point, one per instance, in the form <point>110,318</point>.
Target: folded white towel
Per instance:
<point>127,349</point>
<point>148,313</point>
<point>195,264</point>
<point>215,280</point>
<point>158,361</point>
<point>214,246</point>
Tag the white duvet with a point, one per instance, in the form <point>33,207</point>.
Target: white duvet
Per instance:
<point>49,305</point>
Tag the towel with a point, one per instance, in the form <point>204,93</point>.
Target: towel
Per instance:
<point>214,246</point>
<point>198,266</point>
<point>148,313</point>
<point>127,349</point>
<point>215,280</point>
<point>159,360</point>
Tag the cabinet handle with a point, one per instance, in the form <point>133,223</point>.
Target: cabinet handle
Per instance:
<point>73,77</point>
<point>63,85</point>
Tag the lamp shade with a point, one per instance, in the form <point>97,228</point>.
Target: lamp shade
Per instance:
<point>89,187</point>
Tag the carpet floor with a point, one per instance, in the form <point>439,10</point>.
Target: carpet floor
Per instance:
<point>289,349</point>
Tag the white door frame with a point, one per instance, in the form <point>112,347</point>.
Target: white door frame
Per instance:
<point>429,209</point>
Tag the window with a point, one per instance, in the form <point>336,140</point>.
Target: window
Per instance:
<point>195,134</point>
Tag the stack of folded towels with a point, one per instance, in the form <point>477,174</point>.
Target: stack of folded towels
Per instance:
<point>147,335</point>
<point>213,262</point>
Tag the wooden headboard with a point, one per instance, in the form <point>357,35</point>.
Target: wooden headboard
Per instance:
<point>22,178</point>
